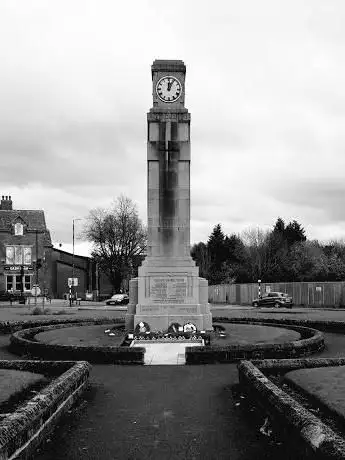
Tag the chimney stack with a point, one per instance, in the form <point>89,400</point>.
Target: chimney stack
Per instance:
<point>6,203</point>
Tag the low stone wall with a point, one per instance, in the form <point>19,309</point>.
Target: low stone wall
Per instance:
<point>287,416</point>
<point>23,343</point>
<point>23,430</point>
<point>311,342</point>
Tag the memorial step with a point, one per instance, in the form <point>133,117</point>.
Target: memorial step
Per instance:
<point>164,353</point>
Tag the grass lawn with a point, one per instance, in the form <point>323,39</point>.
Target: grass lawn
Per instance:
<point>13,383</point>
<point>83,335</point>
<point>326,384</point>
<point>243,334</point>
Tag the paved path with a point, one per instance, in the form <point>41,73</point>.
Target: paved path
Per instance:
<point>159,413</point>
<point>165,353</point>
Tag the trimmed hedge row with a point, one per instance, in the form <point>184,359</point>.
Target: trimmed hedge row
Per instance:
<point>23,343</point>
<point>303,429</point>
<point>8,327</point>
<point>311,342</point>
<point>23,430</point>
<point>322,325</point>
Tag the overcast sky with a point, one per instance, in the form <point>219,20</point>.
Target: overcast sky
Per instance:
<point>265,88</point>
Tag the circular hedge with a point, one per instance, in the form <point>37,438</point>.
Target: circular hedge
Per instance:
<point>23,342</point>
<point>311,342</point>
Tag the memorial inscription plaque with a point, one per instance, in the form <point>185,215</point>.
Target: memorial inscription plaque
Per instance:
<point>165,289</point>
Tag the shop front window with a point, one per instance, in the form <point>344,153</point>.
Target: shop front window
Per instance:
<point>18,283</point>
<point>27,282</point>
<point>15,282</point>
<point>9,282</point>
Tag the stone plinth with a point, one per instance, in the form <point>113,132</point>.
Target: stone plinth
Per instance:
<point>163,295</point>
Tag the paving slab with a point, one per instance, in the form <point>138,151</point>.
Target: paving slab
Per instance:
<point>165,353</point>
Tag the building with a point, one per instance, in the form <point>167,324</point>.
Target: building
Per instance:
<point>28,258</point>
<point>25,249</point>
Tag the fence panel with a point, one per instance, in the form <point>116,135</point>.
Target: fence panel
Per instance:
<point>312,294</point>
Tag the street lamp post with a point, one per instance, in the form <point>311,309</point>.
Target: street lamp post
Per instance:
<point>70,289</point>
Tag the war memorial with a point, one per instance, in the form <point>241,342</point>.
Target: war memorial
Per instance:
<point>157,412</point>
<point>168,291</point>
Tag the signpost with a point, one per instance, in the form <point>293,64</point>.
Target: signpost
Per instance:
<point>36,290</point>
<point>259,282</point>
<point>72,282</point>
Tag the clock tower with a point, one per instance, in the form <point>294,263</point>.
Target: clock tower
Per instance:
<point>168,291</point>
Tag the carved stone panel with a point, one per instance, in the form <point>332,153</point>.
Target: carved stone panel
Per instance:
<point>168,289</point>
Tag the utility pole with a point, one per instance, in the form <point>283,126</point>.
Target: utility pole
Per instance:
<point>36,268</point>
<point>70,289</point>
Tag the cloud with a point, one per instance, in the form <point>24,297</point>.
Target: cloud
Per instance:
<point>264,88</point>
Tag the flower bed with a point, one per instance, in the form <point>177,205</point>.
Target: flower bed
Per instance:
<point>162,337</point>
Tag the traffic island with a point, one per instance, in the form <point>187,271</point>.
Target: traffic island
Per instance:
<point>24,428</point>
<point>88,341</point>
<point>294,416</point>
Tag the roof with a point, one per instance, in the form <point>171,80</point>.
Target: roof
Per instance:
<point>70,254</point>
<point>34,219</point>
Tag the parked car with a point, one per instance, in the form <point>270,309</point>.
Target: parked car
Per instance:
<point>273,299</point>
<point>5,296</point>
<point>118,299</point>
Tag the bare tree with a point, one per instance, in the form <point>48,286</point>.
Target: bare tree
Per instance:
<point>255,240</point>
<point>119,240</point>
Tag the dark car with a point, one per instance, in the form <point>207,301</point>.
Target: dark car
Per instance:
<point>273,299</point>
<point>5,296</point>
<point>118,299</point>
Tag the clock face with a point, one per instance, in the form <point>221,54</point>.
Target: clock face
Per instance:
<point>168,89</point>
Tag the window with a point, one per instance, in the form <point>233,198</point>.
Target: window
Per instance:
<point>18,228</point>
<point>18,255</point>
<point>10,255</point>
<point>27,282</point>
<point>18,283</point>
<point>15,282</point>
<point>27,255</point>
<point>9,282</point>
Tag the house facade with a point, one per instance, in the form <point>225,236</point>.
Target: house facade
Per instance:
<point>25,249</point>
<point>28,259</point>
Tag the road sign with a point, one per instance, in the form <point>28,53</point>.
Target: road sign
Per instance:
<point>72,282</point>
<point>35,291</point>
